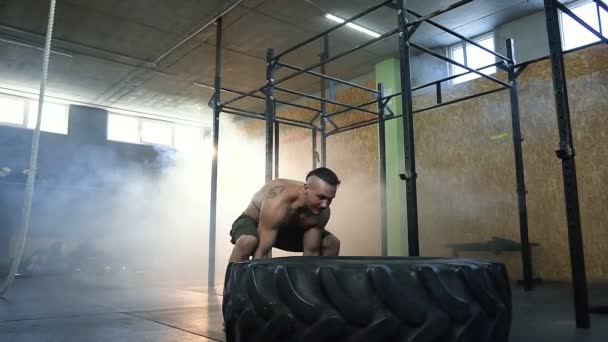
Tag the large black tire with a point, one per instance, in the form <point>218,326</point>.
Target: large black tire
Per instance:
<point>366,299</point>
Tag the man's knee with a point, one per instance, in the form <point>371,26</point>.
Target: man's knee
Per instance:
<point>246,243</point>
<point>330,245</point>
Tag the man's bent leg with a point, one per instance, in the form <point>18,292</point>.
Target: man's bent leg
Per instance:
<point>244,237</point>
<point>330,245</point>
<point>244,247</point>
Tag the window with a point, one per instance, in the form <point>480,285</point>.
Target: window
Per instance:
<point>12,110</point>
<point>54,117</point>
<point>137,130</point>
<point>574,34</point>
<point>23,112</point>
<point>473,57</point>
<point>123,128</point>
<point>157,132</point>
<point>187,137</point>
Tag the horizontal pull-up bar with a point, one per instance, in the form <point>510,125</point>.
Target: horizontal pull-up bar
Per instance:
<point>293,121</point>
<point>354,126</point>
<point>327,60</point>
<point>238,92</point>
<point>333,28</point>
<point>243,95</point>
<point>349,109</point>
<point>361,125</point>
<point>261,116</point>
<point>460,99</point>
<point>329,78</point>
<point>238,112</point>
<point>438,12</point>
<point>449,60</point>
<point>453,77</point>
<point>243,110</point>
<point>294,92</point>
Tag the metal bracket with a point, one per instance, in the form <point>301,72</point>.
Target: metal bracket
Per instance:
<point>405,177</point>
<point>386,102</point>
<point>520,70</point>
<point>212,103</point>
<point>565,154</point>
<point>332,122</point>
<point>412,30</point>
<point>504,66</point>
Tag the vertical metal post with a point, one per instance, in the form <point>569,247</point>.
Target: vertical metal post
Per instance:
<point>314,149</point>
<point>324,56</point>
<point>382,167</point>
<point>526,255</point>
<point>408,131</point>
<point>438,91</point>
<point>566,154</point>
<point>270,112</point>
<point>216,131</point>
<point>599,18</point>
<point>276,149</point>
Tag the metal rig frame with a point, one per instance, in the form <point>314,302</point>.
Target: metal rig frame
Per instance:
<point>405,30</point>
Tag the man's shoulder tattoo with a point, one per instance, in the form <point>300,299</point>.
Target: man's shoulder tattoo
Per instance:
<point>274,191</point>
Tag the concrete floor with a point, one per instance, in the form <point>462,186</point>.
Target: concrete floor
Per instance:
<point>59,309</point>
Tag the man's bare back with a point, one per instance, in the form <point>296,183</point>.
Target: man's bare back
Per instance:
<point>288,191</point>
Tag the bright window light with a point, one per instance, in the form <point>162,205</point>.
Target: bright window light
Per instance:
<point>12,110</point>
<point>187,137</point>
<point>123,128</point>
<point>54,117</point>
<point>353,26</point>
<point>475,58</point>
<point>157,132</point>
<point>574,34</point>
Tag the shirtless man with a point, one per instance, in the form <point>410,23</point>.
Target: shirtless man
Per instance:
<point>288,215</point>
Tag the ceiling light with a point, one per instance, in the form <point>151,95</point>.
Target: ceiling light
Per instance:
<point>351,25</point>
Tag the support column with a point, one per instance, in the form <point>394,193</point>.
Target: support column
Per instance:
<point>566,154</point>
<point>411,203</point>
<point>387,73</point>
<point>270,112</point>
<point>526,257</point>
<point>276,149</point>
<point>216,132</point>
<point>382,169</point>
<point>324,56</point>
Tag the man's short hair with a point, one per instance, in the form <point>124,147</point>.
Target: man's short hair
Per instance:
<point>327,175</point>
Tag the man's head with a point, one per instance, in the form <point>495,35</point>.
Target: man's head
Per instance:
<point>320,189</point>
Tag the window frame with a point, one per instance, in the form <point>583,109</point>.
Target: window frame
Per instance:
<point>463,45</point>
<point>572,6</point>
<point>27,104</point>
<point>140,123</point>
<point>24,114</point>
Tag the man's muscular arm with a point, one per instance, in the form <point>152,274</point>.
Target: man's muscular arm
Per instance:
<point>272,214</point>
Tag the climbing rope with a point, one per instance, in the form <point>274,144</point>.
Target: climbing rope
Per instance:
<point>31,176</point>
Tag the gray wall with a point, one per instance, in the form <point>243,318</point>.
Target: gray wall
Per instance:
<point>426,69</point>
<point>529,34</point>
